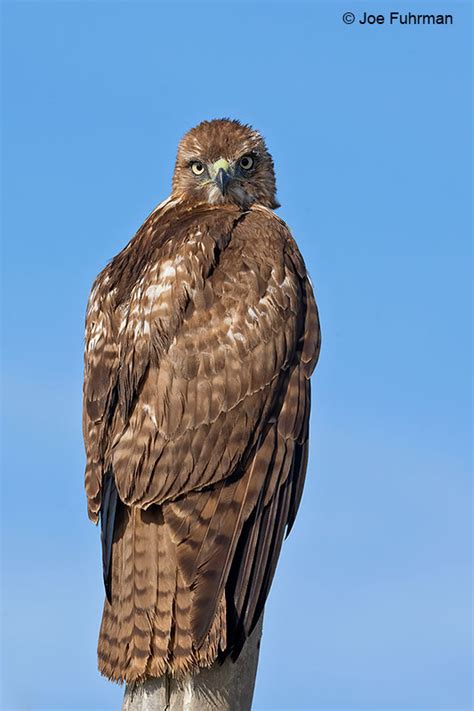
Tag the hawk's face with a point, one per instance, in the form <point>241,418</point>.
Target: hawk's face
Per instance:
<point>224,161</point>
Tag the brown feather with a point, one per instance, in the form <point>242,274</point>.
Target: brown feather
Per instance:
<point>201,336</point>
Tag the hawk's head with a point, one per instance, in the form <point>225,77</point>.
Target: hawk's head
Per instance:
<point>224,161</point>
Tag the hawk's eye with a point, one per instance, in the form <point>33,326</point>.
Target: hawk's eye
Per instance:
<point>197,167</point>
<point>246,162</point>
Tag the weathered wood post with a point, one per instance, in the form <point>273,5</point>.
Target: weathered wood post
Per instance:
<point>225,687</point>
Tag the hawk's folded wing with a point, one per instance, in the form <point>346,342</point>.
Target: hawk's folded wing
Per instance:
<point>197,396</point>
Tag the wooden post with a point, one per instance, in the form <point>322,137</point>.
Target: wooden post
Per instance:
<point>223,687</point>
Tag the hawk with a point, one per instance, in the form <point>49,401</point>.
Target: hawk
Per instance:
<point>201,337</point>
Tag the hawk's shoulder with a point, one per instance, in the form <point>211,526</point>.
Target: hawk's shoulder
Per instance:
<point>267,233</point>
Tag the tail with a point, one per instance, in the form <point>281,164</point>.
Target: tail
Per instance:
<point>146,622</point>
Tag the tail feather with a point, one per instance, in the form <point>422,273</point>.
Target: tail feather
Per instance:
<point>189,578</point>
<point>146,627</point>
<point>161,619</point>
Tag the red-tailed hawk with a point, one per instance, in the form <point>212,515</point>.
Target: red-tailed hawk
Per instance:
<point>201,336</point>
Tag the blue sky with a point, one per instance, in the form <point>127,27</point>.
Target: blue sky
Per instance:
<point>370,132</point>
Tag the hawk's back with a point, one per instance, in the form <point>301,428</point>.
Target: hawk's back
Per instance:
<point>201,337</point>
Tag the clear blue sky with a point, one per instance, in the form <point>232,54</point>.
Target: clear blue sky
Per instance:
<point>369,128</point>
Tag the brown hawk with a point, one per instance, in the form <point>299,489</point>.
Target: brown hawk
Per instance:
<point>201,336</point>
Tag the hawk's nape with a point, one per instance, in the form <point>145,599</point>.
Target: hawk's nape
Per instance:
<point>201,336</point>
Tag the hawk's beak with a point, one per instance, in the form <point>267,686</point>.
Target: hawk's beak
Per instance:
<point>220,171</point>
<point>222,180</point>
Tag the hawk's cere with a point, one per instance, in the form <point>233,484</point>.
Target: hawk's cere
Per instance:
<point>201,336</point>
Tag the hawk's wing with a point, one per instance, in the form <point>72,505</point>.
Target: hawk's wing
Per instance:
<point>106,309</point>
<point>100,373</point>
<point>210,374</point>
<point>230,535</point>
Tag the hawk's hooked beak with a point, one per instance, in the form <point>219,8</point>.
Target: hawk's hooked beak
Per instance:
<point>222,180</point>
<point>221,172</point>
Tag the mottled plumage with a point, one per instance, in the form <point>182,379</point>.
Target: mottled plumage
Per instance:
<point>201,336</point>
